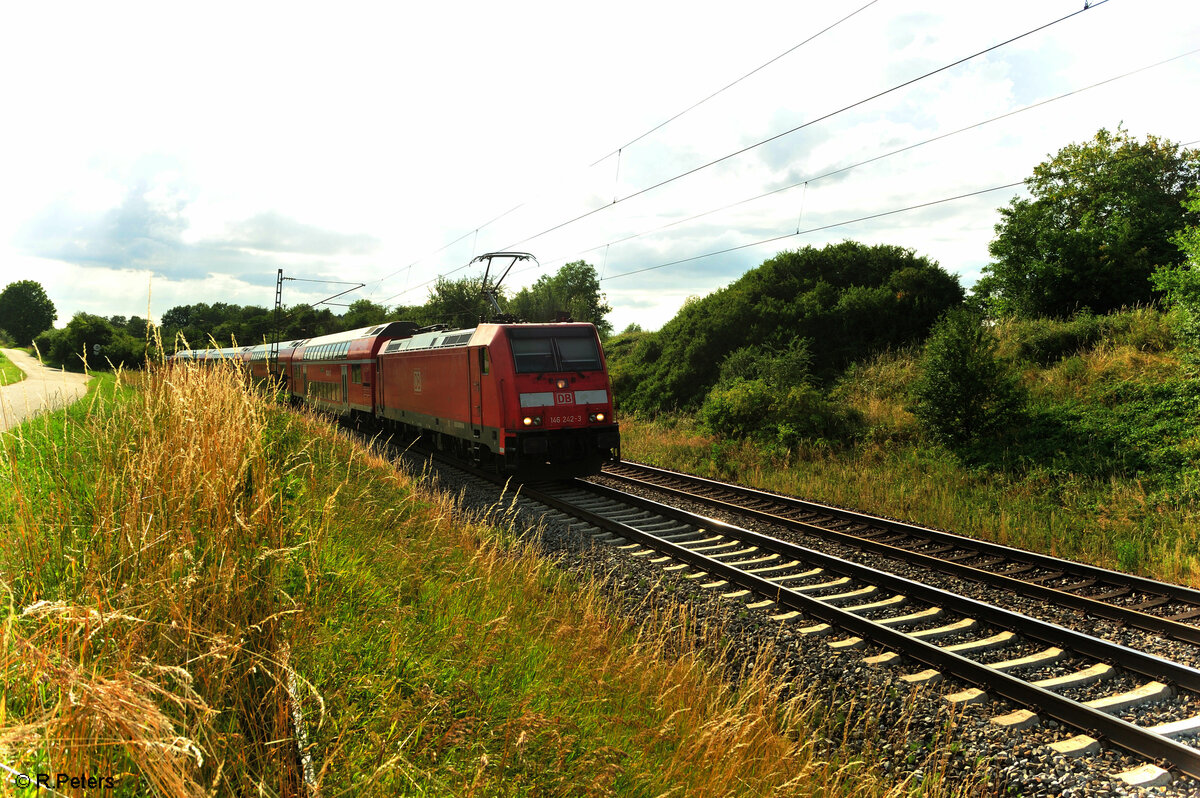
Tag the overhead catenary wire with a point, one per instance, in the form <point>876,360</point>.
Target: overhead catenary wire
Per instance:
<point>725,88</point>
<point>873,159</point>
<point>638,138</point>
<point>777,136</point>
<point>869,217</point>
<point>809,123</point>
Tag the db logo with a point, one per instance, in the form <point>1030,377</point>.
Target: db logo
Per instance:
<point>564,398</point>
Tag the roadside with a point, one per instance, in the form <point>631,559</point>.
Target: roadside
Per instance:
<point>42,389</point>
<point>9,373</point>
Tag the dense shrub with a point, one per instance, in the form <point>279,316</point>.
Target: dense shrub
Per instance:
<point>767,395</point>
<point>1181,283</point>
<point>756,409</point>
<point>965,392</point>
<point>847,301</point>
<point>93,338</point>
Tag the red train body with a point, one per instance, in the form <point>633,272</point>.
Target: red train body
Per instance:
<point>529,399</point>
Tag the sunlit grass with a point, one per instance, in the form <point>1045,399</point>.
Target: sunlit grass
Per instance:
<point>9,373</point>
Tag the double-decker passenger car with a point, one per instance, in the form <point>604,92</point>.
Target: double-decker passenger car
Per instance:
<point>336,373</point>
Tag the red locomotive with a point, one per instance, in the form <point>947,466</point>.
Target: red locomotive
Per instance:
<point>527,397</point>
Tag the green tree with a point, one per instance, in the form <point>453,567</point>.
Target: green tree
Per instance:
<point>363,313</point>
<point>574,289</point>
<point>965,392</point>
<point>1181,284</point>
<point>94,338</point>
<point>1098,222</point>
<point>25,311</point>
<point>459,303</point>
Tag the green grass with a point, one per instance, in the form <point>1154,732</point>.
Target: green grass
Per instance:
<point>9,373</point>
<point>179,552</point>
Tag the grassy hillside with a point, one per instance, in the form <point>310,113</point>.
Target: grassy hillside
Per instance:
<point>180,556</point>
<point>1103,464</point>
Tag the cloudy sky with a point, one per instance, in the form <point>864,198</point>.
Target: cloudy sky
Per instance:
<point>160,154</point>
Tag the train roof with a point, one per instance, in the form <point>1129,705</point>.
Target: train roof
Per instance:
<point>483,334</point>
<point>390,328</point>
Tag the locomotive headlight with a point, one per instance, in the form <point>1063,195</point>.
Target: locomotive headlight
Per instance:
<point>561,384</point>
<point>532,421</point>
<point>599,416</point>
<point>527,421</point>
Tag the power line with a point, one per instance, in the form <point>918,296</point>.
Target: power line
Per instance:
<point>876,158</point>
<point>657,127</point>
<point>817,229</point>
<point>878,215</point>
<point>696,105</point>
<point>809,123</point>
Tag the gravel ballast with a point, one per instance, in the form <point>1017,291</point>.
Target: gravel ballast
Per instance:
<point>1020,761</point>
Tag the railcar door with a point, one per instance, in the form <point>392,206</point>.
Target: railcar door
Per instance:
<point>345,389</point>
<point>477,367</point>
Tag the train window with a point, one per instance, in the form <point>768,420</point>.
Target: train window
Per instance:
<point>533,355</point>
<point>578,354</point>
<point>484,361</point>
<point>356,374</point>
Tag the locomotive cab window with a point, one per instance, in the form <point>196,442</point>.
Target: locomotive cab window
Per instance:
<point>532,355</point>
<point>578,354</point>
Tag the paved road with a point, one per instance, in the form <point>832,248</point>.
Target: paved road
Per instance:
<point>42,389</point>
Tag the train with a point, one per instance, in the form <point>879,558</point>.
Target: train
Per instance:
<point>529,400</point>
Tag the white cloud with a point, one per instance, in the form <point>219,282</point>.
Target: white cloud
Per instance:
<point>210,146</point>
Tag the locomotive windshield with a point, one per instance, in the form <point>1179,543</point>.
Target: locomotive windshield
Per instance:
<point>541,353</point>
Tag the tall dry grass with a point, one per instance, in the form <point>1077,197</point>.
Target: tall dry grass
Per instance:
<point>142,613</point>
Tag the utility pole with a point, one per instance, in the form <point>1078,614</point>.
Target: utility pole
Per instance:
<point>273,355</point>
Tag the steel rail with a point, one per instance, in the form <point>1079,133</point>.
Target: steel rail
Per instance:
<point>1123,734</point>
<point>1153,623</point>
<point>1148,665</point>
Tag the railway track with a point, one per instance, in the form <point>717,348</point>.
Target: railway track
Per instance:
<point>1168,610</point>
<point>1097,688</point>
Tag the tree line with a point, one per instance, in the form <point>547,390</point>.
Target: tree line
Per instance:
<point>27,316</point>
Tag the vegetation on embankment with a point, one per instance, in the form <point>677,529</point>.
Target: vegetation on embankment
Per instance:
<point>182,555</point>
<point>1100,462</point>
<point>9,373</point>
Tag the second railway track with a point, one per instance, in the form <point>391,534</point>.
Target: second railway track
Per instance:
<point>1172,611</point>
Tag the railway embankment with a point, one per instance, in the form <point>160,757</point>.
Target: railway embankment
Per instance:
<point>204,593</point>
